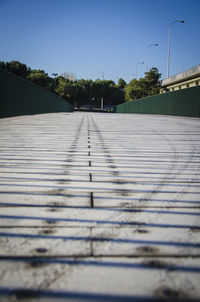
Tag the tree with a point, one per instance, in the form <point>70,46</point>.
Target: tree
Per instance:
<point>82,91</point>
<point>67,89</point>
<point>135,89</point>
<point>17,68</point>
<point>152,81</point>
<point>62,87</point>
<point>149,85</point>
<point>41,78</point>
<point>2,65</point>
<point>106,89</point>
<point>121,83</point>
<point>84,96</point>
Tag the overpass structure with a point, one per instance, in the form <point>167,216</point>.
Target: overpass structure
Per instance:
<point>99,207</point>
<point>184,79</point>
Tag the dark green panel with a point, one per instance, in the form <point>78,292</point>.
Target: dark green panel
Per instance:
<point>184,102</point>
<point>20,97</point>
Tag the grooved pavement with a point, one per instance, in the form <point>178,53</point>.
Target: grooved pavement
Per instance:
<point>99,207</point>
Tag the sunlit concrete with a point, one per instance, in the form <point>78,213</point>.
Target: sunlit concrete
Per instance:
<point>99,207</point>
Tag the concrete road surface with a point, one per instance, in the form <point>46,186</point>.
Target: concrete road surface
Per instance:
<point>99,207</point>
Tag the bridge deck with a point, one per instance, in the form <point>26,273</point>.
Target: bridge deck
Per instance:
<point>99,207</point>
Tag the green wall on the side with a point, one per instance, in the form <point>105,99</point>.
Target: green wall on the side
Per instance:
<point>184,102</point>
<point>20,97</point>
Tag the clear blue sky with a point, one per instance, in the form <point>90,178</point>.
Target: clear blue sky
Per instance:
<point>92,37</point>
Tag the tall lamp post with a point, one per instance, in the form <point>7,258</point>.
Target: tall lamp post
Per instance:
<point>137,67</point>
<point>147,51</point>
<point>168,61</point>
<point>54,82</point>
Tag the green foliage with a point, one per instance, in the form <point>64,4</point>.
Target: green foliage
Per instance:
<point>135,89</point>
<point>107,89</point>
<point>87,92</point>
<point>2,65</point>
<point>121,83</point>
<point>81,92</point>
<point>66,89</point>
<point>16,67</point>
<point>149,85</point>
<point>152,81</point>
<point>40,78</point>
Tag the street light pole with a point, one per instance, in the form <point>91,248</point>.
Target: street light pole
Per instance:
<point>169,40</point>
<point>150,45</point>
<point>137,66</point>
<point>54,82</point>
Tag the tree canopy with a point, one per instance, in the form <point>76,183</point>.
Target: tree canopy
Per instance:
<point>41,78</point>
<point>121,83</point>
<point>16,67</point>
<point>149,85</point>
<point>88,92</point>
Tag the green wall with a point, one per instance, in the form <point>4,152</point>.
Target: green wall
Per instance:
<point>184,102</point>
<point>20,97</point>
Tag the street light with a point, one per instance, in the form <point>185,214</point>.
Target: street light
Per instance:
<point>137,66</point>
<point>150,45</point>
<point>54,82</point>
<point>170,27</point>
